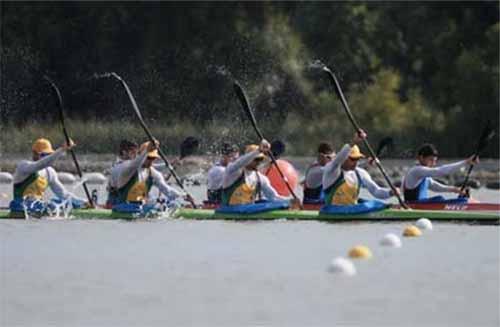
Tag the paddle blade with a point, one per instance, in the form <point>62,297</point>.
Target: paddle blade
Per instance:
<point>189,146</point>
<point>386,142</point>
<point>333,79</point>
<point>486,136</point>
<point>58,96</point>
<point>60,105</point>
<point>240,93</point>
<point>330,74</point>
<point>278,148</point>
<point>338,90</point>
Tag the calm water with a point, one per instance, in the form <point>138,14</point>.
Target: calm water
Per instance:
<point>214,273</point>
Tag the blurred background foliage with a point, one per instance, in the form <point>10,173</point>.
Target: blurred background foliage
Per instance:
<point>416,71</point>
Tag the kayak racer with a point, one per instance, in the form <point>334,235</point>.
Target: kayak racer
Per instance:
<point>420,178</point>
<point>33,177</point>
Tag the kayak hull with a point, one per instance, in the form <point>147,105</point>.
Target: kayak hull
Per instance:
<point>392,214</point>
<point>457,206</point>
<point>437,206</point>
<point>386,214</point>
<point>492,207</point>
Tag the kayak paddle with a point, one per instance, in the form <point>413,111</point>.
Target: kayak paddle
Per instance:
<point>486,136</point>
<point>146,130</point>
<point>338,90</point>
<point>248,110</point>
<point>187,148</point>
<point>386,142</point>
<point>66,135</point>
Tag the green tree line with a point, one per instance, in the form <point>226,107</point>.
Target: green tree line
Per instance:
<point>415,71</point>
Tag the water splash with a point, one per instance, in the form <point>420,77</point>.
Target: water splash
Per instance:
<point>220,70</point>
<point>170,206</point>
<point>165,207</point>
<point>316,64</point>
<point>26,211</point>
<point>60,210</point>
<point>195,178</point>
<point>33,208</point>
<point>79,183</point>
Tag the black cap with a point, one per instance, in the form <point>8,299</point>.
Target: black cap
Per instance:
<point>227,149</point>
<point>325,148</point>
<point>427,150</point>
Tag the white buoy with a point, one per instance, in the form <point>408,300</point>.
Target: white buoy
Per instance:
<point>95,178</point>
<point>424,223</point>
<point>5,178</point>
<point>342,266</point>
<point>391,240</point>
<point>66,178</point>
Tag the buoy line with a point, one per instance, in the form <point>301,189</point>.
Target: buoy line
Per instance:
<point>346,267</point>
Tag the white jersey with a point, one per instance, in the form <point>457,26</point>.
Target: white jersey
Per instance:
<point>314,176</point>
<point>332,171</point>
<point>27,167</point>
<point>416,175</point>
<point>252,177</point>
<point>215,177</point>
<point>123,171</point>
<point>158,181</point>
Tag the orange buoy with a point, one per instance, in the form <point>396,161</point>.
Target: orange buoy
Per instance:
<point>277,182</point>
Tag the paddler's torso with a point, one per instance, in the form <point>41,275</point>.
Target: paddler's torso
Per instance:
<point>136,189</point>
<point>33,185</point>
<point>245,189</point>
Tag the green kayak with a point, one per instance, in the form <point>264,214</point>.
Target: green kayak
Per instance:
<point>383,215</point>
<point>386,214</point>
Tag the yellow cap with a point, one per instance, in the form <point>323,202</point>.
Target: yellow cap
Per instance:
<point>42,146</point>
<point>151,154</point>
<point>356,153</point>
<point>254,147</point>
<point>412,231</point>
<point>360,252</point>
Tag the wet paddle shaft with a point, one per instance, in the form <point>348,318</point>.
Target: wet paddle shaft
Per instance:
<point>246,106</point>
<point>148,133</point>
<point>486,135</point>
<point>66,136</point>
<point>338,90</point>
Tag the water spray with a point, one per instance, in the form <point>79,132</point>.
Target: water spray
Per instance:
<point>146,130</point>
